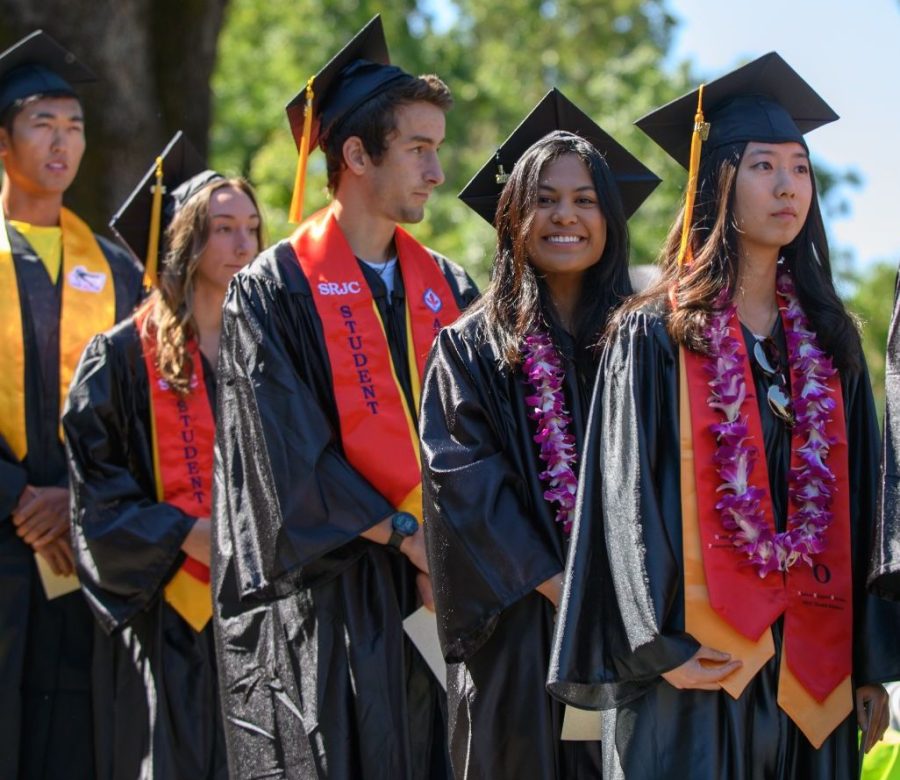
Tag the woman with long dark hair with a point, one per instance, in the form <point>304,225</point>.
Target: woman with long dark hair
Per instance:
<point>728,497</point>
<point>140,427</point>
<point>503,410</point>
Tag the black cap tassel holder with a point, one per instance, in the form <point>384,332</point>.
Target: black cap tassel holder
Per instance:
<point>501,176</point>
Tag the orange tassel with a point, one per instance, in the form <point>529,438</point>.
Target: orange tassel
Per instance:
<point>151,272</point>
<point>295,214</point>
<point>700,134</point>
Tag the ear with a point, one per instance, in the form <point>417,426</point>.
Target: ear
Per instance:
<point>355,157</point>
<point>5,142</point>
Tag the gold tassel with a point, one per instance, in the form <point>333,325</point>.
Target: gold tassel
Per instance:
<point>700,134</point>
<point>151,276</point>
<point>295,215</point>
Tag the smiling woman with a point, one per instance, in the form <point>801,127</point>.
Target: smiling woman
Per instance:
<point>504,405</point>
<point>568,230</point>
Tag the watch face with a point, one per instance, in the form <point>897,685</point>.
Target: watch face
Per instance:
<point>405,523</point>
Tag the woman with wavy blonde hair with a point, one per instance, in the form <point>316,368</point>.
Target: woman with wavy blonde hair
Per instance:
<point>140,431</point>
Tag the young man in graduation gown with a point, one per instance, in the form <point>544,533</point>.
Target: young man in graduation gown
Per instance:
<point>59,285</point>
<point>317,544</point>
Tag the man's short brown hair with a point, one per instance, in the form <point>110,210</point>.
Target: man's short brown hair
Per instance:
<point>376,119</point>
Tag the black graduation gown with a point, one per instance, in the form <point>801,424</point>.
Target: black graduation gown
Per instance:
<point>45,652</point>
<point>156,707</point>
<point>492,538</point>
<point>631,470</point>
<point>884,575</point>
<point>317,676</point>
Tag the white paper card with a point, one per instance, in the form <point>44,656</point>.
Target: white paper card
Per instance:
<point>582,725</point>
<point>55,585</point>
<point>421,628</point>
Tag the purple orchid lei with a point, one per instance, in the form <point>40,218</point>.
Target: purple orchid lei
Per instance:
<point>810,486</point>
<point>542,366</point>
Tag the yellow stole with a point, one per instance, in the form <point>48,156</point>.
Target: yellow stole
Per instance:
<point>88,307</point>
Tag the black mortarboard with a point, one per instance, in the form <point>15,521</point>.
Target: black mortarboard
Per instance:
<point>357,73</point>
<point>183,175</point>
<point>556,112</point>
<point>38,64</point>
<point>765,100</point>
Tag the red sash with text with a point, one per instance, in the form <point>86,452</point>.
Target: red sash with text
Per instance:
<point>378,428</point>
<point>816,600</point>
<point>183,440</point>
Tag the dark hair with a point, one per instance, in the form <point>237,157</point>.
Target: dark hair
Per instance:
<point>375,120</point>
<point>18,106</point>
<point>517,300</point>
<point>714,270</point>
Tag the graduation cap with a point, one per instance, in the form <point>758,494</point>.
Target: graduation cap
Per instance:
<point>38,64</point>
<point>177,175</point>
<point>556,112</point>
<point>357,73</point>
<point>766,100</point>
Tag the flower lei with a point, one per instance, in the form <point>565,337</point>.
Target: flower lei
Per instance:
<point>810,486</point>
<point>547,406</point>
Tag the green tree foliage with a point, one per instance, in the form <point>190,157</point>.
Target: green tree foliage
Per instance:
<point>499,59</point>
<point>267,51</point>
<point>154,57</point>
<point>606,56</point>
<point>871,301</point>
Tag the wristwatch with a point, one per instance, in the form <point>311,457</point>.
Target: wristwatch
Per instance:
<point>403,524</point>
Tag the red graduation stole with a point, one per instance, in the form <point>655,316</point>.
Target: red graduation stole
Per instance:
<point>728,606</point>
<point>378,428</point>
<point>183,431</point>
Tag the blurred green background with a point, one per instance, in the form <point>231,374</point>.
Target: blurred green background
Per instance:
<point>499,59</point>
<point>224,69</point>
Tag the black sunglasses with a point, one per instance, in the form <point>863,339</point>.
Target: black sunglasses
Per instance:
<point>768,359</point>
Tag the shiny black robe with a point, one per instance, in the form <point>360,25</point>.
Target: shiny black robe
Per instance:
<point>45,646</point>
<point>492,539</point>
<point>621,624</point>
<point>156,703</point>
<point>884,574</point>
<point>317,676</point>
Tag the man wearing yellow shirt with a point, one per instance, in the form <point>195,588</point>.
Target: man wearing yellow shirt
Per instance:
<point>59,285</point>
